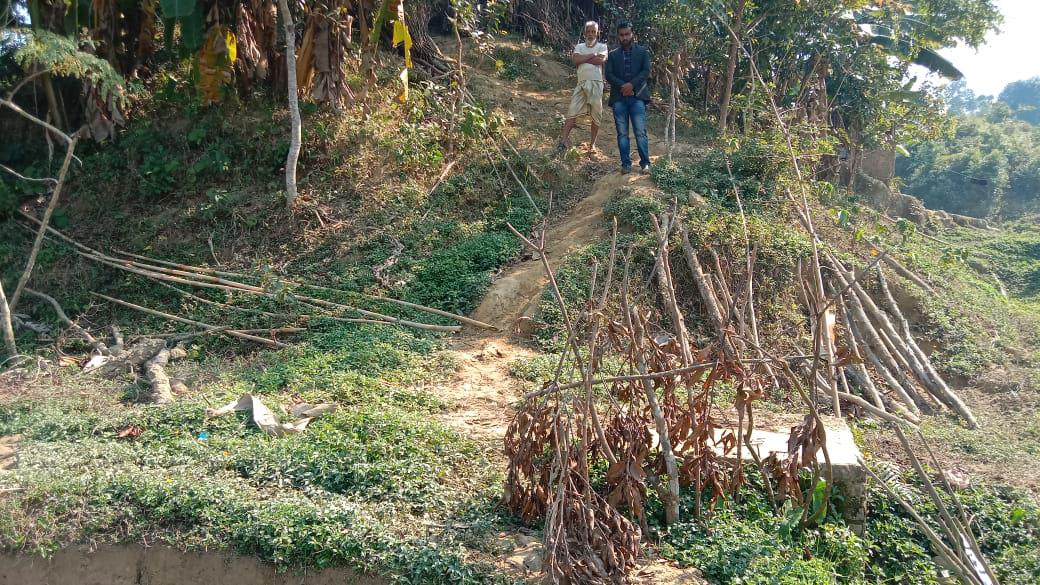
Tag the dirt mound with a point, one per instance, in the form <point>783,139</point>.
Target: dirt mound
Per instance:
<point>160,565</point>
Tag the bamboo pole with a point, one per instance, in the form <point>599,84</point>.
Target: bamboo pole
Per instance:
<point>199,324</point>
<point>10,348</point>
<point>52,203</point>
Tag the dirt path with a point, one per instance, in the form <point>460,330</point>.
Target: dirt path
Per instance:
<point>485,392</point>
<point>483,389</point>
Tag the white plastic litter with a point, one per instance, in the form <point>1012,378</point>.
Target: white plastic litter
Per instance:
<point>265,419</point>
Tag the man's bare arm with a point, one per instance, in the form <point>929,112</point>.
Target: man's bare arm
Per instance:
<point>598,60</point>
<point>580,59</point>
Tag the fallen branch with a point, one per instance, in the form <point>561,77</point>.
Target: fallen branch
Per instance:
<point>98,345</point>
<point>232,307</point>
<point>52,203</point>
<point>399,302</point>
<point>155,374</point>
<point>181,276</point>
<point>199,324</point>
<point>18,175</point>
<point>193,334</point>
<point>171,275</point>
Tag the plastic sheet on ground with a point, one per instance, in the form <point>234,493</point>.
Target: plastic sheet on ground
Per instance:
<point>266,420</point>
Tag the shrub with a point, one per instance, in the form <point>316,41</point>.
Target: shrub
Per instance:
<point>514,64</point>
<point>453,279</point>
<point>633,210</point>
<point>756,168</point>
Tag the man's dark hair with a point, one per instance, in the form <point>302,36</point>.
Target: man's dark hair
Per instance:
<point>624,24</point>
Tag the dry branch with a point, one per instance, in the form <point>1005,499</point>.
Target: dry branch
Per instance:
<point>399,302</point>
<point>930,376</point>
<point>155,374</point>
<point>52,203</point>
<point>98,345</point>
<point>199,324</point>
<point>711,301</point>
<point>878,411</point>
<point>906,272</point>
<point>206,278</point>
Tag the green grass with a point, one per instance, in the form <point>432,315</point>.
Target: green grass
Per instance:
<point>381,485</point>
<point>370,486</point>
<point>633,211</point>
<point>744,541</point>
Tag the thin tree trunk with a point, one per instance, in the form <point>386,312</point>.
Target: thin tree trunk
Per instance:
<point>928,374</point>
<point>670,126</point>
<point>31,263</point>
<point>53,104</point>
<point>460,80</point>
<point>670,495</point>
<point>731,64</point>
<point>10,349</point>
<point>711,302</point>
<point>294,103</point>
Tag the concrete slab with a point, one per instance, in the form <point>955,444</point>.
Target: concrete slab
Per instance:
<point>849,476</point>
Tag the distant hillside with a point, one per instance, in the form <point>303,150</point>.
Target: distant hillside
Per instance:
<point>986,164</point>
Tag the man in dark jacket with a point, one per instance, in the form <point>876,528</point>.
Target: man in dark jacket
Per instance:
<point>627,70</point>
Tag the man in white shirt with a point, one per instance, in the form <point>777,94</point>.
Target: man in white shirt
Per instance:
<point>589,56</point>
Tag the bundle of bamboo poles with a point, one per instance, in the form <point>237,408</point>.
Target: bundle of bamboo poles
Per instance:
<point>170,274</point>
<point>877,353</point>
<point>878,334</point>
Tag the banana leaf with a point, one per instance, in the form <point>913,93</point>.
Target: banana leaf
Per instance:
<point>927,58</point>
<point>193,31</point>
<point>178,9</point>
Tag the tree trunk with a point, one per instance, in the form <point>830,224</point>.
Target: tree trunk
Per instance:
<point>57,113</point>
<point>669,129</point>
<point>425,52</point>
<point>294,104</point>
<point>731,64</point>
<point>10,349</point>
<point>711,301</point>
<point>155,374</point>
<point>45,221</point>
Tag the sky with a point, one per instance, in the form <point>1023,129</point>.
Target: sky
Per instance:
<point>1011,55</point>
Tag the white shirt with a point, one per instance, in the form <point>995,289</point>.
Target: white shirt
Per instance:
<point>588,71</point>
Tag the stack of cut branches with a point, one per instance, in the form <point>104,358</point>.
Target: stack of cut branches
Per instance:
<point>650,420</point>
<point>880,335</point>
<point>643,405</point>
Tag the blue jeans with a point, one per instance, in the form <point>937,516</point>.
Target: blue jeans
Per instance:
<point>634,109</point>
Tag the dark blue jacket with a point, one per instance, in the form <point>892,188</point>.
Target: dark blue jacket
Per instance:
<point>638,74</point>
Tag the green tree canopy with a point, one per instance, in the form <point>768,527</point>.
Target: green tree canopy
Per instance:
<point>988,165</point>
<point>1024,98</point>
